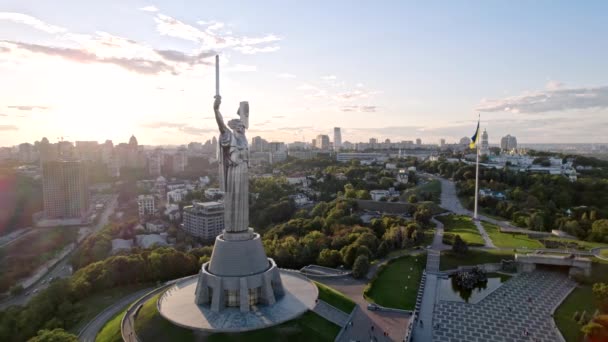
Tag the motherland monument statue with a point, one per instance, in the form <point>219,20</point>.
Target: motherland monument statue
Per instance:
<point>239,273</point>
<point>239,288</point>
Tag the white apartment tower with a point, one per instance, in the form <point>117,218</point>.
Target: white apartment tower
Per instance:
<point>204,220</point>
<point>337,139</point>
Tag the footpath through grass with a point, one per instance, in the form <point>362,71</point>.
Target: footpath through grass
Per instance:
<point>508,240</point>
<point>396,283</point>
<point>463,226</point>
<point>111,331</point>
<point>335,298</point>
<point>581,299</point>
<point>152,327</point>
<point>450,260</point>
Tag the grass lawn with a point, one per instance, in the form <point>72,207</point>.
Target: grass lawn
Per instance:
<point>463,226</point>
<point>96,303</point>
<point>604,252</point>
<point>509,240</point>
<point>150,326</point>
<point>111,331</point>
<point>396,284</point>
<point>432,187</point>
<point>335,298</point>
<point>450,260</point>
<point>580,299</point>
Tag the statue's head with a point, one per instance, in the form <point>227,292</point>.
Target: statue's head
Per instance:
<point>237,125</point>
<point>243,113</point>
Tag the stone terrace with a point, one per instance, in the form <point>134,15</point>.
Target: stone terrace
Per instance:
<point>506,313</point>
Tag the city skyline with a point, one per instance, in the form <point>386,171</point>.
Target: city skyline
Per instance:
<point>424,71</point>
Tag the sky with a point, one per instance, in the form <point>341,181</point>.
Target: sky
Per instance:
<point>97,70</point>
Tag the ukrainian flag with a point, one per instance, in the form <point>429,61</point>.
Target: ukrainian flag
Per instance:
<point>475,136</point>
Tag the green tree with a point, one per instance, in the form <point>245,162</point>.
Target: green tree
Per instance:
<point>348,253</point>
<point>422,215</point>
<point>600,292</point>
<point>361,266</point>
<point>329,258</point>
<point>382,250</point>
<point>459,246</point>
<point>55,335</point>
<point>412,198</point>
<point>599,230</point>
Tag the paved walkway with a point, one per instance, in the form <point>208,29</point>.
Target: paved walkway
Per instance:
<point>393,323</point>
<point>486,238</point>
<point>522,304</point>
<point>331,313</point>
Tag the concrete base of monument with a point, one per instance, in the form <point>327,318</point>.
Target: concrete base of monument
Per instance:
<point>178,306</point>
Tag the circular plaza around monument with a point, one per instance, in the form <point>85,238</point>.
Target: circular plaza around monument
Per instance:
<point>178,306</point>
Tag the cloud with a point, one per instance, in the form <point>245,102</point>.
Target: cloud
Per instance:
<point>162,124</point>
<point>278,116</point>
<point>149,9</point>
<point>196,130</point>
<point>172,27</point>
<point>8,128</point>
<point>329,77</point>
<point>181,127</point>
<point>3,114</point>
<point>561,99</point>
<point>35,23</point>
<point>28,108</point>
<point>554,85</point>
<point>354,94</point>
<point>178,56</point>
<point>137,64</point>
<point>365,109</point>
<point>212,37</point>
<point>250,50</point>
<point>286,75</point>
<point>307,86</point>
<point>242,68</point>
<point>4,49</point>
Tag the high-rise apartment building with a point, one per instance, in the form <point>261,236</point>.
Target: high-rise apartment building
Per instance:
<point>508,143</point>
<point>418,141</point>
<point>441,142</point>
<point>88,150</point>
<point>204,220</point>
<point>337,139</point>
<point>258,144</point>
<point>65,189</point>
<point>322,142</point>
<point>146,205</point>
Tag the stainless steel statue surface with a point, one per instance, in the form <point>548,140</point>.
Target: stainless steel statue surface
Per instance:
<point>233,158</point>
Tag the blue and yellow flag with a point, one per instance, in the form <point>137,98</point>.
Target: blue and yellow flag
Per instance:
<point>475,136</point>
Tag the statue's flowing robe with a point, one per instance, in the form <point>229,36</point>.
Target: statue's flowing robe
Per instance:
<point>233,159</point>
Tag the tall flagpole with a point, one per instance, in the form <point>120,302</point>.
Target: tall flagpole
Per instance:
<point>477,167</point>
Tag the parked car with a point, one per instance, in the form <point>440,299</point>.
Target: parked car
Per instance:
<point>372,307</point>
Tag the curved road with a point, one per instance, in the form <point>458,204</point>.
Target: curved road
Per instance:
<point>90,331</point>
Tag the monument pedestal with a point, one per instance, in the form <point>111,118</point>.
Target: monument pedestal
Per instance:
<point>238,275</point>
